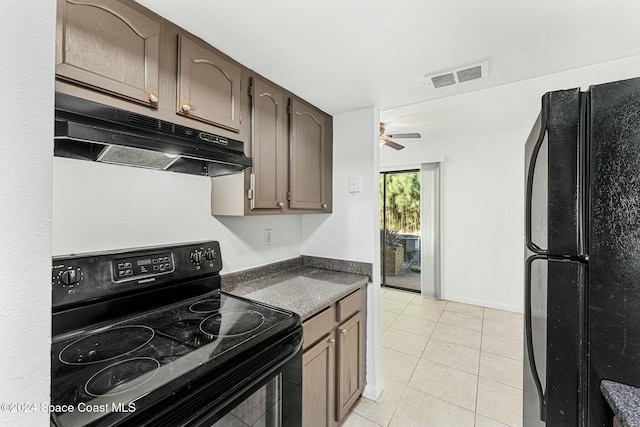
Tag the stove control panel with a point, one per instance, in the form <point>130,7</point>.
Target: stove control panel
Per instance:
<point>136,267</point>
<point>79,278</point>
<point>204,257</point>
<point>67,277</point>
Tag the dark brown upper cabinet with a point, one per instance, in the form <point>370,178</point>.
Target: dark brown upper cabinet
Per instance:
<point>118,53</point>
<point>309,159</point>
<point>271,185</point>
<point>208,86</point>
<point>108,46</point>
<point>268,146</point>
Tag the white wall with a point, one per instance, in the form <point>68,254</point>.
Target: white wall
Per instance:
<point>26,132</point>
<point>481,223</point>
<point>346,233</point>
<point>99,206</point>
<point>481,136</point>
<point>351,231</point>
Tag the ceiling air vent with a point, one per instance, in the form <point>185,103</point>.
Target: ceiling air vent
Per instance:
<point>459,75</point>
<point>443,80</point>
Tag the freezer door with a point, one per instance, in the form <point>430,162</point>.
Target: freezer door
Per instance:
<point>553,188</point>
<point>614,266</point>
<point>553,357</point>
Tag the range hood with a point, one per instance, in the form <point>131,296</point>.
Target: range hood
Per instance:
<point>91,131</point>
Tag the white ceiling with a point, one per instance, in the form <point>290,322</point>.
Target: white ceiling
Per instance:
<point>343,55</point>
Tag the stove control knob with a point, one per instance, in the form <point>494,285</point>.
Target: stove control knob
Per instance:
<point>210,255</point>
<point>70,277</point>
<point>196,257</point>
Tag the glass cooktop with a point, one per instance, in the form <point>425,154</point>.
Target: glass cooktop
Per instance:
<point>108,369</point>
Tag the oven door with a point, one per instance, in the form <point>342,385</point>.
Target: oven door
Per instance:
<point>263,390</point>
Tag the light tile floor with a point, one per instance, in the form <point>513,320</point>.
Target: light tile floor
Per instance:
<point>445,364</point>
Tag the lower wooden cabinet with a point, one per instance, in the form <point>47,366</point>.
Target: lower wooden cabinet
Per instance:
<point>318,385</point>
<point>350,364</point>
<point>333,362</point>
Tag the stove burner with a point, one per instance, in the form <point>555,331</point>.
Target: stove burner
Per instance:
<point>123,376</point>
<point>106,345</point>
<point>207,306</point>
<point>231,323</point>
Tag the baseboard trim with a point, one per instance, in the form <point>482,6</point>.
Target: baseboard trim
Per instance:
<point>485,303</point>
<point>373,392</point>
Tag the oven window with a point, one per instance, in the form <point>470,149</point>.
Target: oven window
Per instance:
<point>262,409</point>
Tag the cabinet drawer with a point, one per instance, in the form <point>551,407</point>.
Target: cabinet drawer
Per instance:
<point>317,327</point>
<point>349,306</point>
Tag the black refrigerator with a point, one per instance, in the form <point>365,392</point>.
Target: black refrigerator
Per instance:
<point>582,253</point>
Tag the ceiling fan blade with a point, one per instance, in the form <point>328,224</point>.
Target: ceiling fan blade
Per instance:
<point>393,145</point>
<point>404,135</point>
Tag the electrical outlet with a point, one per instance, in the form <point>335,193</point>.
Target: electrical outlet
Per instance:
<point>267,236</point>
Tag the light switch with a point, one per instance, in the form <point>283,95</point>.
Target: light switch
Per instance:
<point>355,184</point>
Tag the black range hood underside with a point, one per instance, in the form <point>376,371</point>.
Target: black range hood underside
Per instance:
<point>87,130</point>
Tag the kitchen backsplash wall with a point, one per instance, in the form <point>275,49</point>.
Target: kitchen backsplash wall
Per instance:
<point>101,207</point>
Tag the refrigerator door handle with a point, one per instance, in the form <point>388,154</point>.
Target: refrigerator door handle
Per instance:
<point>529,334</point>
<point>529,187</point>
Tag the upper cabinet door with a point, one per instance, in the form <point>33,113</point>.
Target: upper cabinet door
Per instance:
<point>268,146</point>
<point>208,86</point>
<point>307,166</point>
<point>109,47</point>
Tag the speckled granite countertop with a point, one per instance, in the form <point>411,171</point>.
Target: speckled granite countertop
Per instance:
<point>624,400</point>
<point>303,290</point>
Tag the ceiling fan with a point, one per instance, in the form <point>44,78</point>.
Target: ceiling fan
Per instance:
<point>387,139</point>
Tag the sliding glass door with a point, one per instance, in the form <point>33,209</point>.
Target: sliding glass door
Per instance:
<point>400,227</point>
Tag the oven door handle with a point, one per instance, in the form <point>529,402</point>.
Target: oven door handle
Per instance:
<point>279,356</point>
<point>205,400</point>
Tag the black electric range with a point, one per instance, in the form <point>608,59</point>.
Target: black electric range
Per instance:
<point>146,337</point>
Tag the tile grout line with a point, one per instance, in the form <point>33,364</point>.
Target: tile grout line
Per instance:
<point>420,357</point>
<point>406,387</point>
<point>442,400</point>
<point>475,418</point>
<point>501,355</point>
<point>368,419</point>
<point>395,410</point>
<point>435,397</point>
<point>500,382</point>
<point>452,367</point>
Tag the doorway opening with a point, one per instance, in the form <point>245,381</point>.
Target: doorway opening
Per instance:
<point>400,230</point>
<point>410,229</point>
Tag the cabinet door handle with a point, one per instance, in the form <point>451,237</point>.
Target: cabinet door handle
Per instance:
<point>153,98</point>
<point>323,206</point>
<point>280,204</point>
<point>332,341</point>
<point>343,332</point>
<point>186,108</point>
